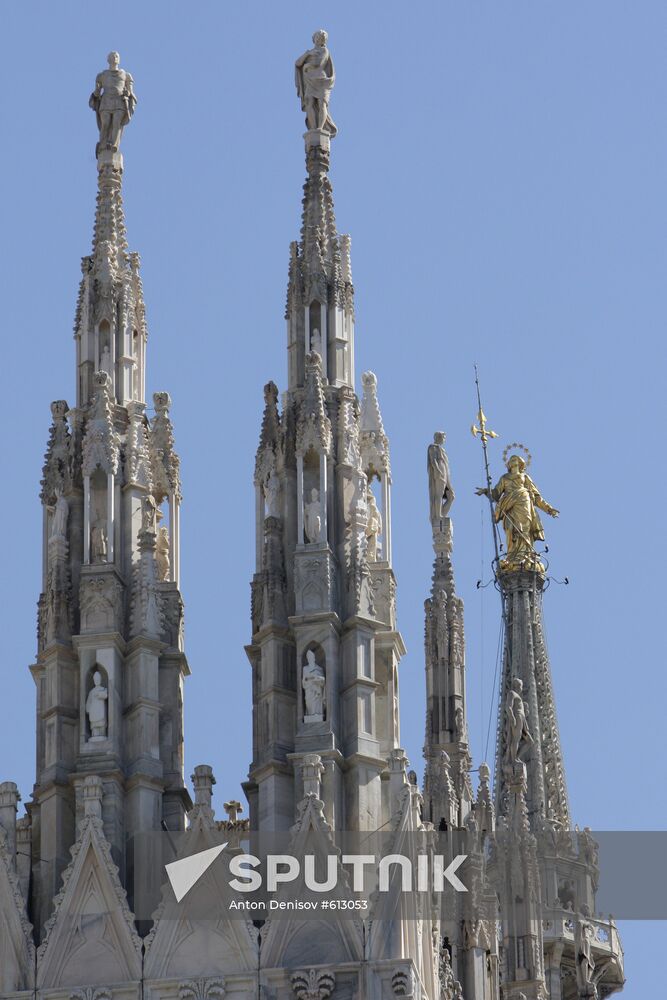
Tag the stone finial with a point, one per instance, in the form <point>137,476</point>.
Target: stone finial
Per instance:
<point>92,796</point>
<point>398,761</point>
<point>203,781</point>
<point>312,771</point>
<point>113,101</point>
<point>484,773</point>
<point>232,808</point>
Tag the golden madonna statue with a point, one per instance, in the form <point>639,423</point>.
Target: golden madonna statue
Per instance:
<point>517,498</point>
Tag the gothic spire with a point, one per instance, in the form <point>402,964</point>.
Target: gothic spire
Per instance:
<point>320,293</point>
<point>446,729</point>
<point>110,326</point>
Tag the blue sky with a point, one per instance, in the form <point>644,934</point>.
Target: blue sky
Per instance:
<point>501,169</point>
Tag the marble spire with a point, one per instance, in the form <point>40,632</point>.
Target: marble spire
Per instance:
<point>320,311</point>
<point>110,324</point>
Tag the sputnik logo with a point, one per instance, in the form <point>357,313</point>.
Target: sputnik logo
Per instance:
<point>184,874</point>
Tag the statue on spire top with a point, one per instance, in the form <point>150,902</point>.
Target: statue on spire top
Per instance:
<point>517,499</point>
<point>113,102</point>
<point>315,77</point>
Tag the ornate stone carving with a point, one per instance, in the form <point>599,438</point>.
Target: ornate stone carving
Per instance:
<point>315,77</point>
<point>440,491</point>
<point>164,460</point>
<point>402,982</point>
<point>96,708</point>
<point>313,428</point>
<point>137,455</point>
<point>450,988</point>
<point>313,683</point>
<point>146,611</point>
<point>56,471</point>
<point>92,993</point>
<point>101,601</point>
<point>113,101</point>
<point>374,442</point>
<point>100,442</point>
<point>315,984</point>
<point>202,989</point>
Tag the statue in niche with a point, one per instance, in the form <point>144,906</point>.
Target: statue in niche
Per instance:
<point>105,360</point>
<point>313,684</point>
<point>162,554</point>
<point>373,527</point>
<point>312,517</point>
<point>149,513</point>
<point>585,963</point>
<point>272,494</point>
<point>96,708</point>
<point>516,723</point>
<point>98,541</point>
<point>60,512</point>
<point>113,102</point>
<point>316,342</point>
<point>441,493</point>
<point>315,77</point>
<point>517,498</point>
<point>459,725</point>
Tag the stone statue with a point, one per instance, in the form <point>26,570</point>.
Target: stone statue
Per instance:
<point>311,519</point>
<point>162,554</point>
<point>516,724</point>
<point>272,495</point>
<point>316,342</point>
<point>60,515</point>
<point>98,541</point>
<point>96,708</point>
<point>113,102</point>
<point>313,683</point>
<point>373,527</point>
<point>105,361</point>
<point>441,493</point>
<point>459,725</point>
<point>516,498</point>
<point>585,963</point>
<point>315,77</point>
<point>149,513</point>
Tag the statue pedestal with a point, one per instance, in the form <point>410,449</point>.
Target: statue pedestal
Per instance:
<point>317,138</point>
<point>109,157</point>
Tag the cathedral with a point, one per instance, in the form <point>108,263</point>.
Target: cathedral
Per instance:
<point>87,910</point>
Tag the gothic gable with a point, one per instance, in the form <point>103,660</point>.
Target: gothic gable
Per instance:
<point>17,956</point>
<point>90,937</point>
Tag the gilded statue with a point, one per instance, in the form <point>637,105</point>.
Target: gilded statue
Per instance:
<point>517,498</point>
<point>315,77</point>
